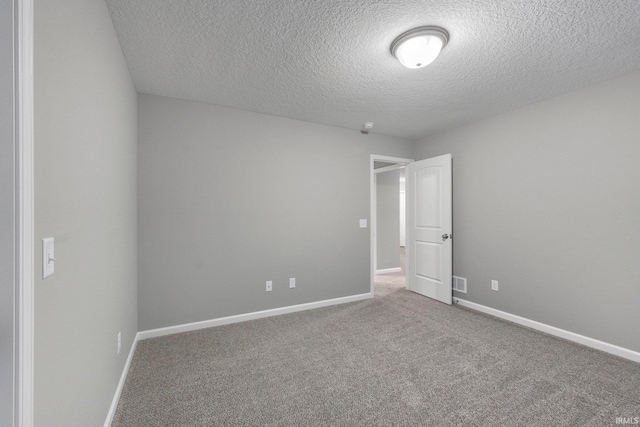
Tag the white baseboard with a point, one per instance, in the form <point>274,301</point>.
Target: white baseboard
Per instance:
<point>552,330</point>
<point>389,270</point>
<point>152,333</point>
<point>123,377</point>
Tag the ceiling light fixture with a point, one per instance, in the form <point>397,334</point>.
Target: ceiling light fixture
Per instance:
<point>419,47</point>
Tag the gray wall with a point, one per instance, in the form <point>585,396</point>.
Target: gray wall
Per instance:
<point>7,214</point>
<point>85,197</point>
<point>229,199</point>
<point>546,201</point>
<point>388,219</point>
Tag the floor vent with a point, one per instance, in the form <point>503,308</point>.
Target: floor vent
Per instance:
<point>460,284</point>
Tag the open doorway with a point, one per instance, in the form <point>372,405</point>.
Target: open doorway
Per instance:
<point>387,225</point>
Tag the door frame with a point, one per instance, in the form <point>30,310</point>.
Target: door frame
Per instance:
<point>23,202</point>
<point>372,209</point>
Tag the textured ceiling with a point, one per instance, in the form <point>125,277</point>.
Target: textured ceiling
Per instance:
<point>329,62</point>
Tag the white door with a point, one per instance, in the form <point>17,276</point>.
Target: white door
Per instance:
<point>429,247</point>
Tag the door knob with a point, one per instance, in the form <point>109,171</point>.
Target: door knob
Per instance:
<point>445,237</point>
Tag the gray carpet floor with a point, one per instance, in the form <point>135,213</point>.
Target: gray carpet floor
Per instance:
<point>399,359</point>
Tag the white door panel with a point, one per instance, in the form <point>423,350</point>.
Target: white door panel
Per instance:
<point>429,225</point>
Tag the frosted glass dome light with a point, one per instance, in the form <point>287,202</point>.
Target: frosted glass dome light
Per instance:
<point>419,47</point>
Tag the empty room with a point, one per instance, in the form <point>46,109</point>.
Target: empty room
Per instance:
<point>332,213</point>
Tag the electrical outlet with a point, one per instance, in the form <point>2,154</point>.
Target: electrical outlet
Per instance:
<point>119,341</point>
<point>292,282</point>
<point>269,285</point>
<point>494,285</point>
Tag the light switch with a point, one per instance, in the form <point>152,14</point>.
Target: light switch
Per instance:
<point>363,223</point>
<point>48,257</point>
